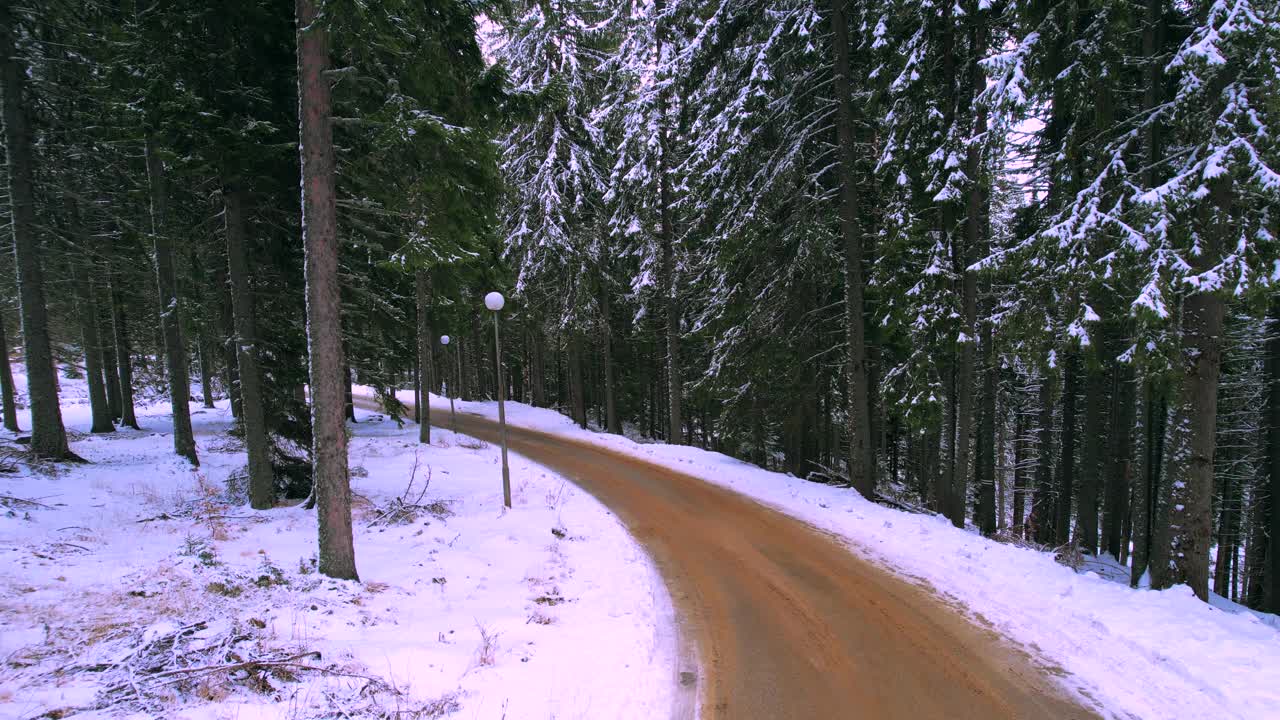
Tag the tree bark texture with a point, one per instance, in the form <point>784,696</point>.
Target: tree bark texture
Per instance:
<point>262,489</point>
<point>1041,520</point>
<point>1271,571</point>
<point>426,372</point>
<point>87,314</point>
<point>612,424</point>
<point>6,383</point>
<point>670,299</point>
<point>175,351</point>
<point>107,351</point>
<point>858,427</point>
<point>48,435</point>
<point>1119,467</point>
<point>1091,460</point>
<point>124,355</point>
<point>1067,450</point>
<point>331,482</point>
<point>1193,424</point>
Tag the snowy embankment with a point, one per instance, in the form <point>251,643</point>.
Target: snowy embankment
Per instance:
<point>133,585</point>
<point>1128,653</point>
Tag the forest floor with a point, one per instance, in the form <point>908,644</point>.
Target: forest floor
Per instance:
<point>1122,652</point>
<point>134,586</point>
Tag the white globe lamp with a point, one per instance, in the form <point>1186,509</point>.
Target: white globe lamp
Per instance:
<point>494,301</point>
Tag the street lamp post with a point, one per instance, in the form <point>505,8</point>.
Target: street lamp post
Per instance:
<point>494,301</point>
<point>450,390</point>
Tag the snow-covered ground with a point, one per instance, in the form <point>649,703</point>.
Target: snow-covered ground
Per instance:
<point>1128,653</point>
<point>118,572</point>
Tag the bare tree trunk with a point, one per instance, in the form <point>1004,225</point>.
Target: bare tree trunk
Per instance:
<point>426,373</point>
<point>332,487</point>
<point>1120,466</point>
<point>577,393</point>
<point>175,351</point>
<point>349,399</point>
<point>985,461</point>
<point>1228,533</point>
<point>1001,472</point>
<point>858,426</point>
<point>669,291</point>
<point>6,383</point>
<point>1019,476</point>
<point>1091,461</point>
<point>1040,523</point>
<point>88,317</point>
<point>1192,432</point>
<point>204,354</point>
<point>226,329</point>
<point>207,371</point>
<point>537,372</point>
<point>124,356</point>
<point>1271,567</point>
<point>110,371</point>
<point>1067,452</point>
<point>946,445</point>
<point>48,435</point>
<point>262,490</point>
<point>973,237</point>
<point>1146,491</point>
<point>610,381</point>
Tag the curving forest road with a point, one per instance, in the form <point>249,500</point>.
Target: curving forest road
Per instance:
<point>785,622</point>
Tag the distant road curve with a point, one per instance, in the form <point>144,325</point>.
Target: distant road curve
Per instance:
<point>784,621</point>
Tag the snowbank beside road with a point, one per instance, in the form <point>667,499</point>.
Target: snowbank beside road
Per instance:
<point>1129,653</point>
<point>547,610</point>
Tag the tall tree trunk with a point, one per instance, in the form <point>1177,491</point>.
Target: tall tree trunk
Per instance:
<point>331,487</point>
<point>1192,432</point>
<point>426,373</point>
<point>1067,452</point>
<point>670,295</point>
<point>1041,521</point>
<point>1120,467</point>
<point>226,328</point>
<point>1019,476</point>
<point>1145,492</point>
<point>967,255</point>
<point>48,435</point>
<point>985,461</point>
<point>537,370</point>
<point>349,398</point>
<point>958,493</point>
<point>1146,507</point>
<point>124,355</point>
<point>262,491</point>
<point>110,371</point>
<point>1271,567</point>
<point>205,357</point>
<point>204,354</point>
<point>1091,460</point>
<point>6,382</point>
<point>1228,531</point>
<point>87,313</point>
<point>947,444</point>
<point>417,380</point>
<point>175,351</point>
<point>611,421</point>
<point>858,426</point>
<point>577,392</point>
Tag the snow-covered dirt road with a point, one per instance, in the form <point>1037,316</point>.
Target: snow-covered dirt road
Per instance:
<point>785,621</point>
